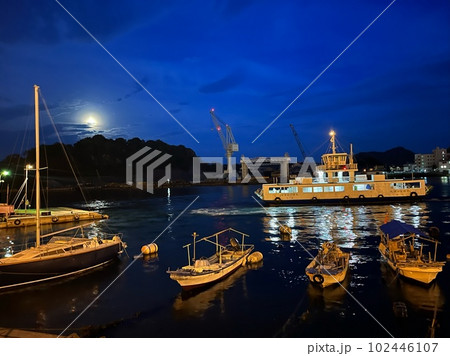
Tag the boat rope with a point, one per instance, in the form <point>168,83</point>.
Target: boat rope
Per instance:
<point>126,269</point>
<point>62,145</point>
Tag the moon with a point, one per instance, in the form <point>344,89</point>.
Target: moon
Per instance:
<point>91,121</point>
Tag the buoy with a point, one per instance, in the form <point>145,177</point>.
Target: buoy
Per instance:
<point>284,229</point>
<point>149,249</point>
<point>255,257</point>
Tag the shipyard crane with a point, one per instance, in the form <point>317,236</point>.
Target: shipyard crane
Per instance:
<point>228,141</point>
<point>298,141</point>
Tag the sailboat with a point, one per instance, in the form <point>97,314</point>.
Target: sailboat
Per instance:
<point>61,256</point>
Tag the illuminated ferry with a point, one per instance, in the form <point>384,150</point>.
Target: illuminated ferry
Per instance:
<point>337,181</point>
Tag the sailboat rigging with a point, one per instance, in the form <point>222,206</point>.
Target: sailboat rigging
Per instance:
<point>61,256</point>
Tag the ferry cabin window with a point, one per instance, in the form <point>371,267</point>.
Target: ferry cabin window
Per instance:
<point>317,189</point>
<point>307,190</point>
<point>338,188</point>
<point>411,185</point>
<point>328,189</point>
<point>282,190</point>
<point>359,187</point>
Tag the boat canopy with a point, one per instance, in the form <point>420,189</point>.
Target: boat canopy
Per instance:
<point>396,228</point>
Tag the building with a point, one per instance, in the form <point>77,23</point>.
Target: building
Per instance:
<point>437,160</point>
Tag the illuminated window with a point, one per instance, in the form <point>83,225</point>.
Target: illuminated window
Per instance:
<point>338,188</point>
<point>307,190</point>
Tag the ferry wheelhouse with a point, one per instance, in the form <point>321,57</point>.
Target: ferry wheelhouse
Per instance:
<point>336,180</point>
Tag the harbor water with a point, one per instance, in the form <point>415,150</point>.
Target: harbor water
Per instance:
<point>273,299</point>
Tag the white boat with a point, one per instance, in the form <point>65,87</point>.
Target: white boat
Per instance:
<point>329,267</point>
<point>61,256</point>
<point>336,181</point>
<point>401,245</point>
<point>225,260</point>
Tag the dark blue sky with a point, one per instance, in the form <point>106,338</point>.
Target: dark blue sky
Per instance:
<point>247,59</point>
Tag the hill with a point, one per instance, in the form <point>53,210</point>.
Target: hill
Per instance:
<point>97,160</point>
<point>397,156</point>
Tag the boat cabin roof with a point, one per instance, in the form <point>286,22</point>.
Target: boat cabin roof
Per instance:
<point>396,228</point>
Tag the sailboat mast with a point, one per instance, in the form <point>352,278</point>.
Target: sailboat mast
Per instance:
<point>38,178</point>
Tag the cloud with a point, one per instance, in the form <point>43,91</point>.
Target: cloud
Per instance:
<point>137,89</point>
<point>47,22</point>
<point>226,83</point>
<point>417,86</point>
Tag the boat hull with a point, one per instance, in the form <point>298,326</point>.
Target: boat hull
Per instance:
<point>420,273</point>
<point>189,281</point>
<point>48,268</point>
<point>424,275</point>
<point>341,201</point>
<point>328,279</point>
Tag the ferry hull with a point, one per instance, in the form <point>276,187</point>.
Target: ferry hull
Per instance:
<point>341,201</point>
<point>25,273</point>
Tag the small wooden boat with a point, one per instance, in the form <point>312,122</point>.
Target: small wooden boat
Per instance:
<point>226,259</point>
<point>330,266</point>
<point>401,247</point>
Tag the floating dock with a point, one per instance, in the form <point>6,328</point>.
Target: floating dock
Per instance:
<point>58,215</point>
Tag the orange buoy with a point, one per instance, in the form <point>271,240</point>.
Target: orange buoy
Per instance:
<point>284,229</point>
<point>149,249</point>
<point>255,257</point>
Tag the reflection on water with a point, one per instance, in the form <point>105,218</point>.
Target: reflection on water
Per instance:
<point>330,298</point>
<point>415,299</point>
<point>421,297</point>
<point>54,304</point>
<point>145,302</point>
<point>194,304</point>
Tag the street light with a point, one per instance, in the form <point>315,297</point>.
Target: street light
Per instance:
<point>27,168</point>
<point>4,173</point>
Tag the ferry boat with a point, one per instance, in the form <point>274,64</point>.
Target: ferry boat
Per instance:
<point>337,180</point>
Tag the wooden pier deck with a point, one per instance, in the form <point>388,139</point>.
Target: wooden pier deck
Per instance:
<point>18,333</point>
<point>57,215</point>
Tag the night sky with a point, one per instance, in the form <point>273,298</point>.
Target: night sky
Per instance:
<point>247,59</point>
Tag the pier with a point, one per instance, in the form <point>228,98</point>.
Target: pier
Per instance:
<point>49,216</point>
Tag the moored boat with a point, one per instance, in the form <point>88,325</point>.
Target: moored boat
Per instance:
<point>61,256</point>
<point>337,181</point>
<point>401,245</point>
<point>206,270</point>
<point>329,267</point>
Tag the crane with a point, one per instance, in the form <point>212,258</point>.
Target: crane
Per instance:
<point>228,141</point>
<point>298,141</point>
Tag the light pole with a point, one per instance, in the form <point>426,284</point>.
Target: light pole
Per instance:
<point>27,168</point>
<point>4,174</point>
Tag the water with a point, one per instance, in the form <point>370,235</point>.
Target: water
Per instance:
<point>274,299</point>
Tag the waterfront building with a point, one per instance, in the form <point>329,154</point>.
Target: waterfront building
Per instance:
<point>437,160</point>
